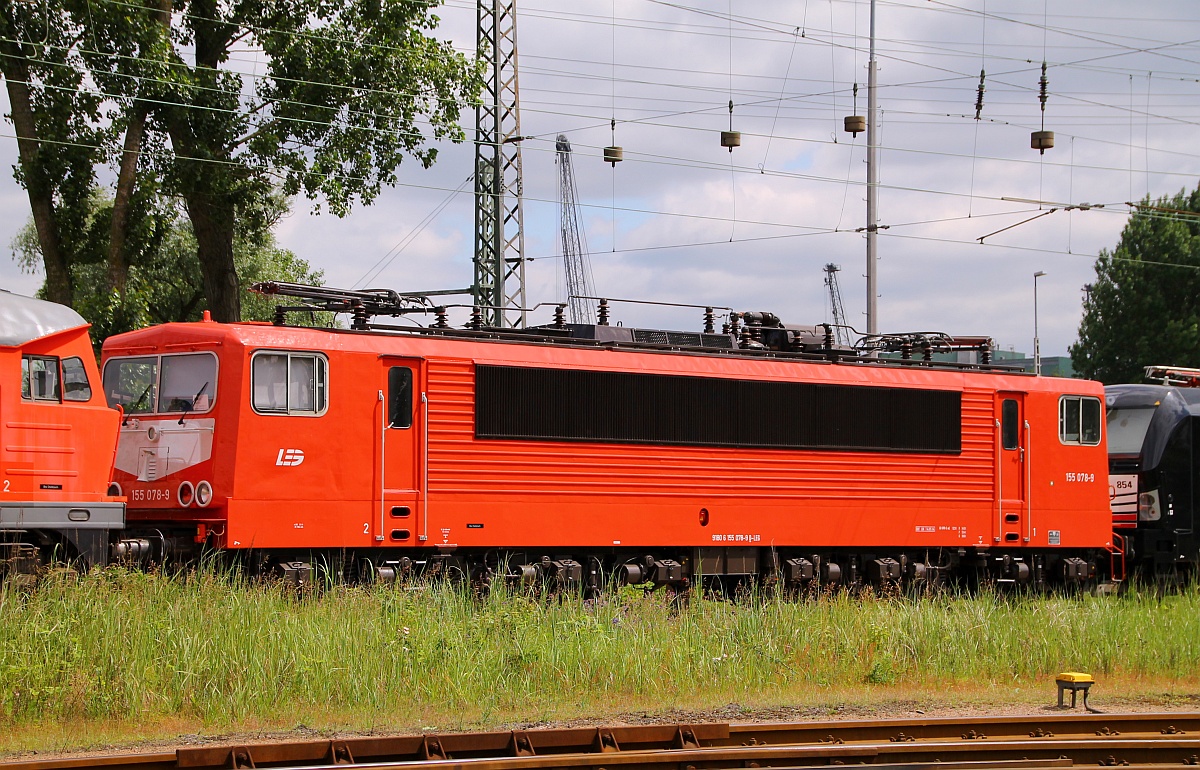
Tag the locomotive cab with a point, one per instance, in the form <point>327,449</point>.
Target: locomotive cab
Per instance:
<point>169,395</point>
<point>57,439</point>
<point>1153,475</point>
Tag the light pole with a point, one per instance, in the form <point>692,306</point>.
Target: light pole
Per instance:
<point>1037,349</point>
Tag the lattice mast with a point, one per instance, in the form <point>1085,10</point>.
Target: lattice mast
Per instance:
<point>835,304</point>
<point>576,268</point>
<point>499,282</point>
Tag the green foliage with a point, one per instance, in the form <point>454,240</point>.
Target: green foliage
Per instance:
<point>164,278</point>
<point>1144,306</point>
<point>350,90</point>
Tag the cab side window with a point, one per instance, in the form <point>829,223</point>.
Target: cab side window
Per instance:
<point>288,383</point>
<point>400,397</point>
<point>1079,420</point>
<point>1011,430</point>
<point>39,378</point>
<point>75,380</point>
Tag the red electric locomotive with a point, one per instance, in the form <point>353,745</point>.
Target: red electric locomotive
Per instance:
<point>582,454</point>
<point>58,439</point>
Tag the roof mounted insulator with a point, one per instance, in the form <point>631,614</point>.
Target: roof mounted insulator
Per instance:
<point>709,318</point>
<point>602,312</point>
<point>358,316</point>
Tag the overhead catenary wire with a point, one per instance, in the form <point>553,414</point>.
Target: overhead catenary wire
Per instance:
<point>649,158</point>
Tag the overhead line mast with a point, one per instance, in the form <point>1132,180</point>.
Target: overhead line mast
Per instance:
<point>872,183</point>
<point>498,287</point>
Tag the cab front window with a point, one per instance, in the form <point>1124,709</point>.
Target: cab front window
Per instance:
<point>177,383</point>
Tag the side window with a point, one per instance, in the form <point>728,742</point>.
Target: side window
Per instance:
<point>1009,428</point>
<point>39,378</point>
<point>1089,421</point>
<point>288,383</point>
<point>75,380</point>
<point>1079,419</point>
<point>400,400</point>
<point>130,383</point>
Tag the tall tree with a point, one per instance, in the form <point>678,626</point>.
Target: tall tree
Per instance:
<point>350,89</point>
<point>335,113</point>
<point>56,121</point>
<point>1144,306</point>
<point>163,283</point>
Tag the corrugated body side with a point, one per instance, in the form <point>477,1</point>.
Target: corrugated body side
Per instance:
<point>461,463</point>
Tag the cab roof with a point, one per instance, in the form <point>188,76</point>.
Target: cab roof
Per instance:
<point>24,319</point>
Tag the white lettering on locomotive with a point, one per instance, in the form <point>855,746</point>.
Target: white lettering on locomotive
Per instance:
<point>290,457</point>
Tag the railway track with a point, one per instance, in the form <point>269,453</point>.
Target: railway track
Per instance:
<point>976,743</point>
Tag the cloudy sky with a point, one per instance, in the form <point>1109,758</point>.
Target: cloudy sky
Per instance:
<point>681,220</point>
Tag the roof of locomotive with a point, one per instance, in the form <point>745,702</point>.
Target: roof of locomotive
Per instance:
<point>500,345</point>
<point>24,319</point>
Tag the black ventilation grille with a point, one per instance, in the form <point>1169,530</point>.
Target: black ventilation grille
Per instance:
<point>627,408</point>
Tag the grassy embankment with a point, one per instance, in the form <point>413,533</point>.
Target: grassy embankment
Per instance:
<point>120,656</point>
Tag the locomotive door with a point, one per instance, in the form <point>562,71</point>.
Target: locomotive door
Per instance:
<point>1012,449</point>
<point>400,468</point>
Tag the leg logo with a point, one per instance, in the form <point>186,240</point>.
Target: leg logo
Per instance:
<point>290,457</point>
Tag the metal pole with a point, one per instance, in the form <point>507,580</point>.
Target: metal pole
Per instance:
<point>1037,349</point>
<point>872,183</point>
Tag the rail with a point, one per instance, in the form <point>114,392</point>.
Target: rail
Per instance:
<point>1041,741</point>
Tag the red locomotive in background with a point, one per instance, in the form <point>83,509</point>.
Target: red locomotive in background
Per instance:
<point>585,454</point>
<point>57,440</point>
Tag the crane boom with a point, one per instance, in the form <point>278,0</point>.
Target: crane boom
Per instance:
<point>576,268</point>
<point>841,331</point>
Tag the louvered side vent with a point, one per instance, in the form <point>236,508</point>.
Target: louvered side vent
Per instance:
<point>652,337</point>
<point>148,466</point>
<point>717,341</point>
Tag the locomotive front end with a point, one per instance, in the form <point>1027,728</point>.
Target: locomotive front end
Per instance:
<point>164,464</point>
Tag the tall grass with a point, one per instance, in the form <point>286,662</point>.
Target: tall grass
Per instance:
<point>215,651</point>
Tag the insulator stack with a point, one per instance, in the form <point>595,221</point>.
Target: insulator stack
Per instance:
<point>709,318</point>
<point>731,138</point>
<point>855,124</point>
<point>358,316</point>
<point>613,153</point>
<point>280,316</point>
<point>985,353</point>
<point>926,351</point>
<point>602,313</point>
<point>560,320</point>
<point>906,350</point>
<point>476,321</point>
<point>979,95</point>
<point>1042,140</point>
<point>440,315</point>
